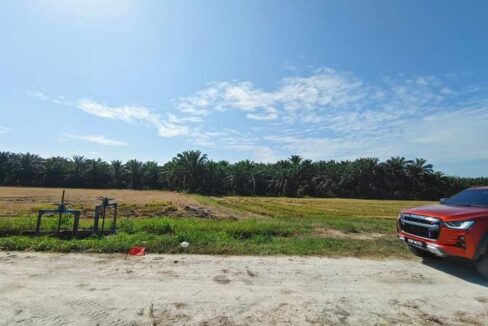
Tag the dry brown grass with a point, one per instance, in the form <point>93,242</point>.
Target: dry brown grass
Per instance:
<point>15,201</point>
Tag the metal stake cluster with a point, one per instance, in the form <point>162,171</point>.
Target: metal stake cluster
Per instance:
<point>101,212</point>
<point>60,210</point>
<point>105,209</point>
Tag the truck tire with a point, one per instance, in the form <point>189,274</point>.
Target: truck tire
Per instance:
<point>420,252</point>
<point>482,265</point>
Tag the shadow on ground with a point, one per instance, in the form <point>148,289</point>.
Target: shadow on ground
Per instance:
<point>460,268</point>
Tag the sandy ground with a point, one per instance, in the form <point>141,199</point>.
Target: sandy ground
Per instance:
<point>89,289</point>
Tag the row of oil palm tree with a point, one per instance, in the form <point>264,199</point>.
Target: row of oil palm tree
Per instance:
<point>32,170</point>
<point>192,171</point>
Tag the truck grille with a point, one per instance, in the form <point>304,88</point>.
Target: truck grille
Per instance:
<point>422,226</point>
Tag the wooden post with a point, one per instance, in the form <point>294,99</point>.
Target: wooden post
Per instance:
<point>97,216</point>
<point>76,223</point>
<point>38,225</point>
<point>115,218</point>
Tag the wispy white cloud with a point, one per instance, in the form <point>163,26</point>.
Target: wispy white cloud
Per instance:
<point>5,130</point>
<point>39,95</point>
<point>327,114</point>
<point>102,140</point>
<point>132,113</point>
<point>169,127</point>
<point>44,96</point>
<point>332,114</point>
<point>324,89</point>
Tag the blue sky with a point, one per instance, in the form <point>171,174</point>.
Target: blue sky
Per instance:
<point>247,79</point>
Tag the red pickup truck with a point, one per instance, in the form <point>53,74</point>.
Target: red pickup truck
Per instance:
<point>458,226</point>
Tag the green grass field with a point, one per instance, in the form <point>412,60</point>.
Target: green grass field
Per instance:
<point>245,226</point>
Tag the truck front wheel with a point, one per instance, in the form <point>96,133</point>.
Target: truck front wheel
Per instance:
<point>420,252</point>
<point>482,265</point>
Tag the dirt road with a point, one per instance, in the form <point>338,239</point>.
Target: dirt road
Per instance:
<point>82,289</point>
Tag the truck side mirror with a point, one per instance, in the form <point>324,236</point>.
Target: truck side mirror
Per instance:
<point>442,200</point>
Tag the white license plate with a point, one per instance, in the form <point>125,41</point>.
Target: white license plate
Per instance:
<point>415,243</point>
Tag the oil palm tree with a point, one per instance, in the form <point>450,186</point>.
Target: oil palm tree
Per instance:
<point>31,169</point>
<point>56,171</point>
<point>4,166</point>
<point>395,169</point>
<point>186,170</point>
<point>280,178</point>
<point>241,178</point>
<point>117,173</point>
<point>419,171</point>
<point>216,175</point>
<point>419,167</point>
<point>78,167</point>
<point>97,173</point>
<point>151,171</point>
<point>133,172</point>
<point>325,178</point>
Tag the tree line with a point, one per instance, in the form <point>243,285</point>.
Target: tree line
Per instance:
<point>193,172</point>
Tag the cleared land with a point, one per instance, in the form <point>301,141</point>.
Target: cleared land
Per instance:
<point>160,220</point>
<point>62,289</point>
<point>24,201</point>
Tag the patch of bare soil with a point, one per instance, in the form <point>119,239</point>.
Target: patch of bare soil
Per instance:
<point>189,206</point>
<point>86,289</point>
<point>337,234</point>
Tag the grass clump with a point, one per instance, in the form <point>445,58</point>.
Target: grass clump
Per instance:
<point>211,243</point>
<point>241,237</point>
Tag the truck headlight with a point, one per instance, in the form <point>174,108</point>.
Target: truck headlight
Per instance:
<point>459,225</point>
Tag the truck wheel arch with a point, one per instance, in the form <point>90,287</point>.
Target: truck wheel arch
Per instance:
<point>482,247</point>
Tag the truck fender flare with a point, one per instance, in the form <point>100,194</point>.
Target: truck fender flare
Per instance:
<point>482,247</point>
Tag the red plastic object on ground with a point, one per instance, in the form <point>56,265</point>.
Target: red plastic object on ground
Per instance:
<point>137,251</point>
